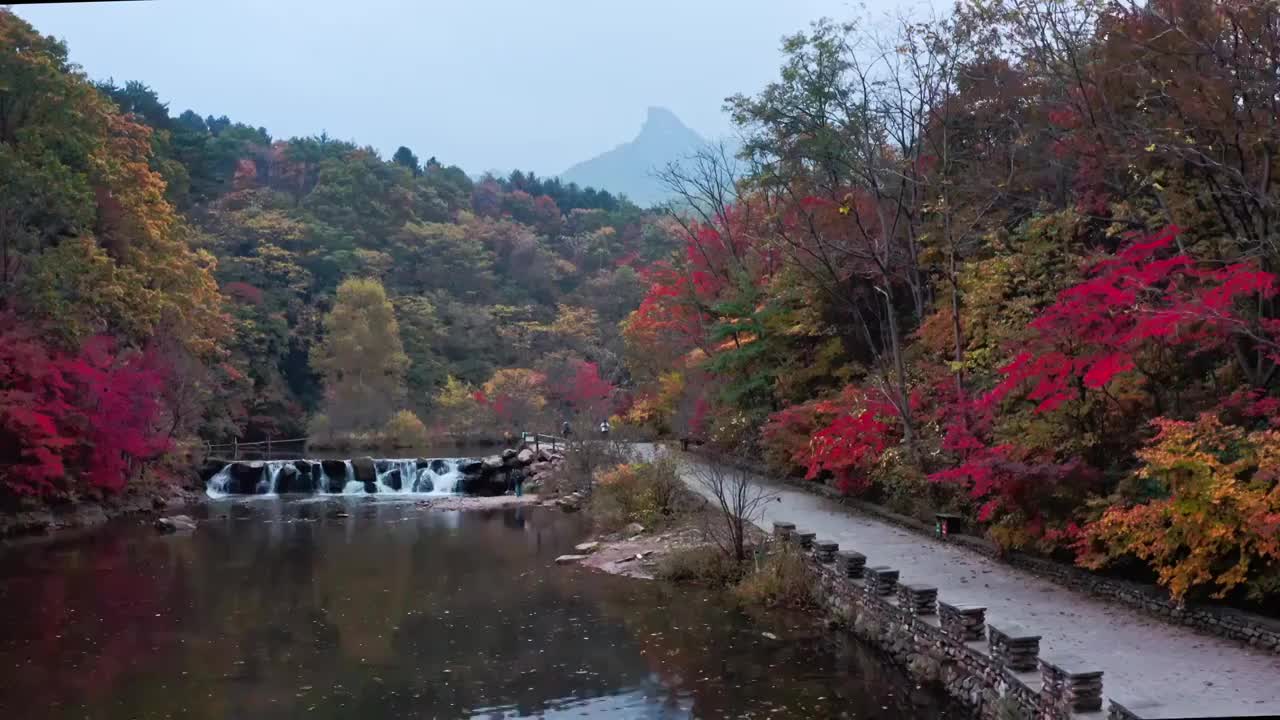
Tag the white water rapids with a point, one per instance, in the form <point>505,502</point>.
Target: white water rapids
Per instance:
<point>435,476</point>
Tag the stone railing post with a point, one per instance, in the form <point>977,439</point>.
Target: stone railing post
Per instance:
<point>782,530</point>
<point>1013,648</point>
<point>825,550</point>
<point>851,563</point>
<point>965,623</point>
<point>1070,686</point>
<point>805,538</point>
<point>918,600</point>
<point>880,580</point>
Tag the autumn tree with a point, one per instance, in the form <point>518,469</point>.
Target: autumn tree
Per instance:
<point>516,397</point>
<point>361,358</point>
<point>459,408</point>
<point>72,424</point>
<point>419,334</point>
<point>1215,525</point>
<point>821,141</point>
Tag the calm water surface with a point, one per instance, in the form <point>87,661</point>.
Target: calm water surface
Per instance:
<point>285,609</point>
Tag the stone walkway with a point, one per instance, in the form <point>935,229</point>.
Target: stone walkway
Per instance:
<point>1142,658</point>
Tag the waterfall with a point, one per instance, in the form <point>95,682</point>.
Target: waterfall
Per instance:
<point>447,480</point>
<point>349,484</point>
<point>394,476</point>
<point>217,485</point>
<point>273,476</point>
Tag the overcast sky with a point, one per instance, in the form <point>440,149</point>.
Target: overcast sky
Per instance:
<point>485,84</point>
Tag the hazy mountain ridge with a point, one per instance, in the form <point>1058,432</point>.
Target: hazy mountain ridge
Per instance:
<point>630,167</point>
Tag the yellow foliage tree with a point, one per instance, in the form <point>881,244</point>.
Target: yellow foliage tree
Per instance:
<point>1216,525</point>
<point>85,214</point>
<point>456,409</point>
<point>517,396</point>
<point>404,430</point>
<point>361,358</point>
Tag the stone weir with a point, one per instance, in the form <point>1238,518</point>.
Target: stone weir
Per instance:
<point>492,475</point>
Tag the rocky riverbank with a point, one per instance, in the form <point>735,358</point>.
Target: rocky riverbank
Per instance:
<point>494,502</point>
<point>635,550</point>
<point>497,474</point>
<point>638,554</point>
<point>35,521</point>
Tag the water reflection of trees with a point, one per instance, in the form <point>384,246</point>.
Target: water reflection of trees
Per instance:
<point>274,610</point>
<point>424,612</point>
<point>715,659</point>
<point>270,612</point>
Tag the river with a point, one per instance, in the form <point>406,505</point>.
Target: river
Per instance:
<point>374,608</point>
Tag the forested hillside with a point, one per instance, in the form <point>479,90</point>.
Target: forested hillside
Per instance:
<point>1017,263</point>
<point>168,277</point>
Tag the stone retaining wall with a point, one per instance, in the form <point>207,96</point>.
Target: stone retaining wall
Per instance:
<point>1224,622</point>
<point>1003,677</point>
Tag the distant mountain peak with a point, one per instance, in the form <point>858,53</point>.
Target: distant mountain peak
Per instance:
<point>629,168</point>
<point>662,120</point>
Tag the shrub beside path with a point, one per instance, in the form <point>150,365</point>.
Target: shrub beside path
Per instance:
<point>1142,658</point>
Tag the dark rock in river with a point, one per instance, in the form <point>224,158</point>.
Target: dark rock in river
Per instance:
<point>210,468</point>
<point>470,466</point>
<point>177,523</point>
<point>422,463</point>
<point>423,484</point>
<point>287,480</point>
<point>382,465</point>
<point>366,470</point>
<point>508,453</point>
<point>492,463</point>
<point>371,487</point>
<point>439,467</point>
<point>245,477</point>
<point>486,484</point>
<point>335,473</point>
<point>393,480</point>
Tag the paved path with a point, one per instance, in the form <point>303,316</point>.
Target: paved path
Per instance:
<point>1140,657</point>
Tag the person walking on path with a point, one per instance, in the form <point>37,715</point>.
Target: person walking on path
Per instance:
<point>604,428</point>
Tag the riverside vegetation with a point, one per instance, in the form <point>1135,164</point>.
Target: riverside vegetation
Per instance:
<point>707,539</point>
<point>1015,263</point>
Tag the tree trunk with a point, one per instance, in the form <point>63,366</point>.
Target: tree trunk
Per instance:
<point>957,330</point>
<point>900,370</point>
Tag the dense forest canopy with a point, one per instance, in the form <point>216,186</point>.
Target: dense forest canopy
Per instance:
<point>1017,262</point>
<point>254,285</point>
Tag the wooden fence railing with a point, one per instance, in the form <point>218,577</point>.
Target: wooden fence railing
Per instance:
<point>539,439</point>
<point>259,447</point>
<point>264,448</point>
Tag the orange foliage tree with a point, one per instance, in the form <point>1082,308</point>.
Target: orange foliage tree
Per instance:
<point>1216,523</point>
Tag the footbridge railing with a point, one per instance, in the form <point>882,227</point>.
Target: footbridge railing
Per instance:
<point>539,439</point>
<point>259,448</point>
